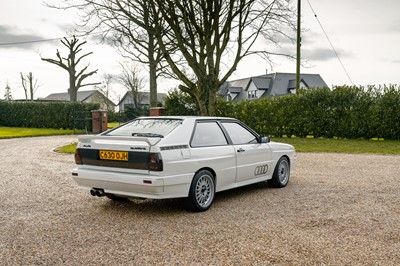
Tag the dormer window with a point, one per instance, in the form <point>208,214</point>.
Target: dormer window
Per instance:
<point>292,86</point>
<point>251,95</point>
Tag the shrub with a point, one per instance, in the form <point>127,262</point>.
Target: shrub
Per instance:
<point>132,113</point>
<point>388,112</point>
<point>343,112</point>
<point>46,114</point>
<point>180,103</point>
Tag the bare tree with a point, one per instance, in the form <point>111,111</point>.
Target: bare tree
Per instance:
<point>106,91</point>
<point>133,82</point>
<point>33,84</point>
<point>213,36</point>
<point>76,77</point>
<point>129,26</point>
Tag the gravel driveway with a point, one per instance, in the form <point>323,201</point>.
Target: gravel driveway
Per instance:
<point>338,209</point>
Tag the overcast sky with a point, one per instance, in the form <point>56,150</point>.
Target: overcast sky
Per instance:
<point>365,34</point>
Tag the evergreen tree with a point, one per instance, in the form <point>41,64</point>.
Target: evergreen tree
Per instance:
<point>7,93</point>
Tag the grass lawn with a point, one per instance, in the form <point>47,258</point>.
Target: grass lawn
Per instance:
<point>68,148</point>
<point>113,124</point>
<point>18,132</point>
<point>342,145</point>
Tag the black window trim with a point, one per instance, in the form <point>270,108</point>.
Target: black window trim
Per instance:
<point>224,131</point>
<point>228,140</point>
<point>258,138</point>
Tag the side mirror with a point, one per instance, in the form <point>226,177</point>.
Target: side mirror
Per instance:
<point>265,139</point>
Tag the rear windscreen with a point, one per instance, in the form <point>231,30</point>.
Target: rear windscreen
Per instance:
<point>146,128</point>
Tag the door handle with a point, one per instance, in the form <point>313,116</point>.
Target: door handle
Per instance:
<point>241,150</point>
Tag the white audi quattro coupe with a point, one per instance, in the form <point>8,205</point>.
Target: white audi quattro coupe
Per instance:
<point>179,157</point>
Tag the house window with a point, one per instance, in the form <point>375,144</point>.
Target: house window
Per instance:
<point>251,95</point>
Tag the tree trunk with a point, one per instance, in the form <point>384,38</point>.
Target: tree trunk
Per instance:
<point>152,72</point>
<point>30,79</point>
<point>206,93</point>
<point>72,88</point>
<point>153,86</point>
<point>23,81</point>
<point>73,94</point>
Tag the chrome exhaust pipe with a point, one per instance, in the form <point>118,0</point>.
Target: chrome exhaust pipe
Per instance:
<point>97,192</point>
<point>100,193</point>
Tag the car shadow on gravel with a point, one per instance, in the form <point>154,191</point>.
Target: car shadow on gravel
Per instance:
<point>241,193</point>
<point>172,206</point>
<point>149,206</point>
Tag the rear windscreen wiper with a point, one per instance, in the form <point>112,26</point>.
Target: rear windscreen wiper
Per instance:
<point>150,135</point>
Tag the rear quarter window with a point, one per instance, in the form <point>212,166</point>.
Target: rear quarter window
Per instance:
<point>208,134</point>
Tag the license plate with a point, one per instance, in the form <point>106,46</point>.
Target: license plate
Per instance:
<point>114,155</point>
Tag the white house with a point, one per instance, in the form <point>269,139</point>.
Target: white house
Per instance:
<point>143,99</point>
<point>268,85</point>
<point>91,96</point>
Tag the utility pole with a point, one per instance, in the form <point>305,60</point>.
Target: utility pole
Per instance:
<point>298,45</point>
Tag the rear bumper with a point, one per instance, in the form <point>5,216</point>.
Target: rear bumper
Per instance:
<point>134,185</point>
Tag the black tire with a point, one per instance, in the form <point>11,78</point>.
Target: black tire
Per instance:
<point>202,192</point>
<point>280,177</point>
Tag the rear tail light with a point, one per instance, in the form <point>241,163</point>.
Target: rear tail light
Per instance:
<point>78,158</point>
<point>155,162</point>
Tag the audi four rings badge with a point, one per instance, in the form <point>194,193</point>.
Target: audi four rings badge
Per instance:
<point>261,170</point>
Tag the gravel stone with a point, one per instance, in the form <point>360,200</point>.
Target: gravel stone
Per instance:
<point>338,209</point>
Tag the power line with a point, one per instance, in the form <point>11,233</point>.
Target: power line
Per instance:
<point>45,40</point>
<point>333,48</point>
<point>32,41</point>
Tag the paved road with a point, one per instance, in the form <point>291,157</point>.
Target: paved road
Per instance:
<point>338,209</point>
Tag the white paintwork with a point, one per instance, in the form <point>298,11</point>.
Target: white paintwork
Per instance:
<point>232,168</point>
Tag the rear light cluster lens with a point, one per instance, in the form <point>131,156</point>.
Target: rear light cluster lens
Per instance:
<point>155,162</point>
<point>78,158</point>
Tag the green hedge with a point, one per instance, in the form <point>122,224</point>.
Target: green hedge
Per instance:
<point>343,112</point>
<point>47,114</point>
<point>179,103</point>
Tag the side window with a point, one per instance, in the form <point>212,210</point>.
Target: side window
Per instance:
<point>208,134</point>
<point>239,134</point>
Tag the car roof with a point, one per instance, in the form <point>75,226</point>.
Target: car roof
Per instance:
<point>188,117</point>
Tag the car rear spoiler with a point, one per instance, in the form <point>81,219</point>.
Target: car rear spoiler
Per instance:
<point>87,138</point>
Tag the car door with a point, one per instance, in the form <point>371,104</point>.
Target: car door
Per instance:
<point>253,159</point>
<point>210,149</point>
